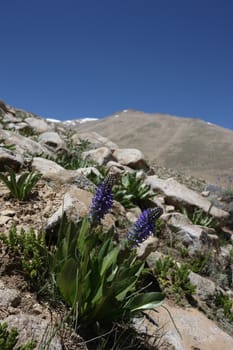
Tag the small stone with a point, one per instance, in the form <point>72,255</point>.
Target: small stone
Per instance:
<point>37,309</point>
<point>205,193</point>
<point>8,212</point>
<point>4,220</point>
<point>169,208</point>
<point>9,297</point>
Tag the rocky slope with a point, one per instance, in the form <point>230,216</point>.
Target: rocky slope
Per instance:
<point>196,147</point>
<point>200,314</point>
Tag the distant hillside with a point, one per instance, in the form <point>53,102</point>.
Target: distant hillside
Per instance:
<point>190,145</point>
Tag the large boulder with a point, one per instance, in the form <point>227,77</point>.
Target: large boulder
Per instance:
<point>100,155</point>
<point>38,125</point>
<point>180,196</point>
<point>131,157</point>
<point>22,144</point>
<point>196,238</point>
<point>11,159</point>
<point>43,165</point>
<point>76,203</point>
<point>95,140</point>
<point>52,141</point>
<point>187,329</point>
<point>32,327</point>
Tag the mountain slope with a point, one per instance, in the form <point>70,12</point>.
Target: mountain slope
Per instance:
<point>190,145</point>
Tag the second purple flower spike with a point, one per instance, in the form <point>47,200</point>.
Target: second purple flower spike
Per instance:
<point>144,226</point>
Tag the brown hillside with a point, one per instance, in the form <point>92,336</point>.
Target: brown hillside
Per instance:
<point>190,145</point>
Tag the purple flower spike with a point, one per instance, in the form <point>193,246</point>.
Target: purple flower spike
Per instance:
<point>102,201</point>
<point>144,226</point>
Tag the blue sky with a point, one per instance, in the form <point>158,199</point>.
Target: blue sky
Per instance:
<point>70,58</point>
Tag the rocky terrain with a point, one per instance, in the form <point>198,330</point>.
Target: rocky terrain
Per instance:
<point>191,255</point>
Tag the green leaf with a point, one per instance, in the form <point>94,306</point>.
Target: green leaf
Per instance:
<point>109,260</point>
<point>84,230</point>
<point>67,281</point>
<point>145,301</point>
<point>124,286</point>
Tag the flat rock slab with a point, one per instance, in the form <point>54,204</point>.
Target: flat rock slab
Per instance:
<point>181,196</point>
<point>196,330</point>
<point>32,327</point>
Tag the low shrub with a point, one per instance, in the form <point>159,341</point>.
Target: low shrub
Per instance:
<point>29,253</point>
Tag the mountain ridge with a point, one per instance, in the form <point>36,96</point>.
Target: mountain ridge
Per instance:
<point>192,145</point>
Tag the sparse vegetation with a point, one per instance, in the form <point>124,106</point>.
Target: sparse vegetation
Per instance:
<point>201,263</point>
<point>174,278</point>
<point>131,191</point>
<point>223,302</point>
<point>199,217</point>
<point>71,158</point>
<point>21,187</point>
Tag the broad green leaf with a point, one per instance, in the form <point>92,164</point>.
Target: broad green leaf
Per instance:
<point>104,249</point>
<point>84,230</point>
<point>145,301</point>
<point>67,281</point>
<point>122,287</point>
<point>109,260</point>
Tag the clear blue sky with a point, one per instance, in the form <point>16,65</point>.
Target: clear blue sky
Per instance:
<point>70,58</point>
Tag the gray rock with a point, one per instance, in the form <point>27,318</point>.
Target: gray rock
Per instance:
<point>76,203</point>
<point>10,118</point>
<point>204,286</point>
<point>131,157</point>
<point>181,196</point>
<point>73,177</point>
<point>43,165</point>
<point>39,125</point>
<point>52,140</point>
<point>23,144</point>
<point>9,296</point>
<point>196,330</point>
<point>32,327</point>
<point>100,155</point>
<point>194,237</point>
<point>11,159</point>
<point>95,139</point>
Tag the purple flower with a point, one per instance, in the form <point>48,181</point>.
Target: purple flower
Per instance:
<point>102,201</point>
<point>144,226</point>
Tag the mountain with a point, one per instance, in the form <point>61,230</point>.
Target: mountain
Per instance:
<point>189,145</point>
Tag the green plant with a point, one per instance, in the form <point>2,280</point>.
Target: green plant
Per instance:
<point>71,158</point>
<point>20,187</point>
<point>223,301</point>
<point>160,227</point>
<point>97,277</point>
<point>8,339</point>
<point>30,254</point>
<point>162,268</point>
<point>199,217</point>
<point>131,191</point>
<point>200,263</point>
<point>181,284</point>
<point>173,277</point>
